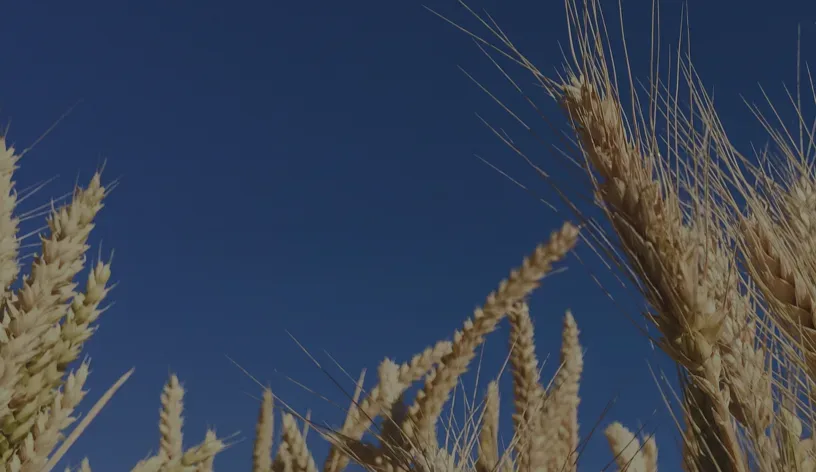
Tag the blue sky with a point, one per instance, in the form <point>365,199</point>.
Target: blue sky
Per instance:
<point>309,166</point>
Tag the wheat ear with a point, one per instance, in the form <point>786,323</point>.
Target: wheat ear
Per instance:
<point>559,417</point>
<point>424,413</point>
<point>171,421</point>
<point>684,267</point>
<point>528,394</point>
<point>171,456</point>
<point>264,435</point>
<point>9,242</point>
<point>362,413</point>
<point>32,316</point>
<point>293,455</point>
<point>630,456</point>
<point>488,447</point>
<point>47,430</point>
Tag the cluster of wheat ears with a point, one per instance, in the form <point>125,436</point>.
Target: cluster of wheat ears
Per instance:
<point>721,246</point>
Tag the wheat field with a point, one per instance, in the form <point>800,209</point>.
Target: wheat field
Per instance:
<point>721,245</point>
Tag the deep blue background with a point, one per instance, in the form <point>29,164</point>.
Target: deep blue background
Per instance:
<point>309,166</point>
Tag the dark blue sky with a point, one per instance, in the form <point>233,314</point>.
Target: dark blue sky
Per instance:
<point>308,166</point>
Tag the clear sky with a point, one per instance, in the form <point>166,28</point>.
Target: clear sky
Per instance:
<point>309,166</point>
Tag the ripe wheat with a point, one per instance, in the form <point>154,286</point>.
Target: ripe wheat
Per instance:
<point>723,254</point>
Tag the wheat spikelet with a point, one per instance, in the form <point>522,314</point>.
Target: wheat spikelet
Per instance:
<point>84,466</point>
<point>152,464</point>
<point>200,458</point>
<point>792,449</point>
<point>77,327</point>
<point>439,460</point>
